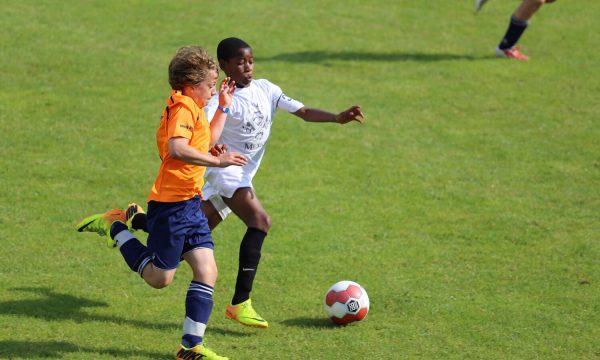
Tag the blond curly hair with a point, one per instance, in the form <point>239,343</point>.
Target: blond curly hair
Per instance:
<point>190,66</point>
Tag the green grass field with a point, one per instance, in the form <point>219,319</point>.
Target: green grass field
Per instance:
<point>468,204</point>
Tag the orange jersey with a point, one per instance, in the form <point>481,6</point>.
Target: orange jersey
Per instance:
<point>177,180</point>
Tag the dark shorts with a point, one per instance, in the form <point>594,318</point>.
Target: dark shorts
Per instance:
<point>174,229</point>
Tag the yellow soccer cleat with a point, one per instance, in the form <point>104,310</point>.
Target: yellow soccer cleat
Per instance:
<point>245,314</point>
<point>196,353</point>
<point>101,223</point>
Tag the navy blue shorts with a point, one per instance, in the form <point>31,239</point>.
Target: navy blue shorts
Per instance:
<point>174,229</point>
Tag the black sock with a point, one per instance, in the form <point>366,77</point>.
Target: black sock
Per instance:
<point>249,258</point>
<point>513,33</point>
<point>138,222</point>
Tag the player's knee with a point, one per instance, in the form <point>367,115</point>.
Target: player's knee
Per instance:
<point>267,223</point>
<point>260,221</point>
<point>160,283</point>
<point>157,279</point>
<point>206,273</point>
<point>264,222</point>
<point>210,271</point>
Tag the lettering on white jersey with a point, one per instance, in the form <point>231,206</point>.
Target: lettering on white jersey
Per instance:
<point>257,117</point>
<point>251,147</point>
<point>248,127</point>
<point>259,136</point>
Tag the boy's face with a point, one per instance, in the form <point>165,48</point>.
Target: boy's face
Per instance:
<point>240,67</point>
<point>202,92</point>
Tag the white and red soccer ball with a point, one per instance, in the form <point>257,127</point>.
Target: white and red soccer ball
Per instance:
<point>346,302</point>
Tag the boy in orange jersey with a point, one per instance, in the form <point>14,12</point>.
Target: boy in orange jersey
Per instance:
<point>178,229</point>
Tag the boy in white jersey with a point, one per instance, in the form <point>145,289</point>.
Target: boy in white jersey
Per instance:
<point>247,130</point>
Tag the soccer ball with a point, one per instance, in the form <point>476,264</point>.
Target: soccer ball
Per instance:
<point>346,302</point>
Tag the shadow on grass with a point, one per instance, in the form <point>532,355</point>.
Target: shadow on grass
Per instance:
<point>57,306</point>
<point>305,322</point>
<point>218,330</point>
<point>324,56</point>
<point>58,349</point>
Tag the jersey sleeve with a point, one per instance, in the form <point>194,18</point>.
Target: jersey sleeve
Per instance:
<point>283,102</point>
<point>288,104</point>
<point>181,122</point>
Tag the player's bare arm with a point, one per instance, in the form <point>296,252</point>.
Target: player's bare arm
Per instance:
<point>354,113</point>
<point>226,90</point>
<point>179,149</point>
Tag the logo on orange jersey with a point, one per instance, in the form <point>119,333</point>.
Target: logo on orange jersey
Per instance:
<point>187,127</point>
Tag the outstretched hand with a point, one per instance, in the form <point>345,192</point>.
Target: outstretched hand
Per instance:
<point>226,90</point>
<point>352,114</point>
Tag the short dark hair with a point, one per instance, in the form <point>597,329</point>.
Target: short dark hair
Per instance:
<point>228,48</point>
<point>190,66</point>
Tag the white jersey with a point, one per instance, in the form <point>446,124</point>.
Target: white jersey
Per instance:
<point>249,121</point>
<point>247,130</point>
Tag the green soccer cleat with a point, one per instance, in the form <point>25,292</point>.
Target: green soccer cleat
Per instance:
<point>132,211</point>
<point>101,223</point>
<point>196,353</point>
<point>245,314</point>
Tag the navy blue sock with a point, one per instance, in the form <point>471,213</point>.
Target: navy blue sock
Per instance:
<point>248,264</point>
<point>198,306</point>
<point>135,254</point>
<point>515,29</point>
